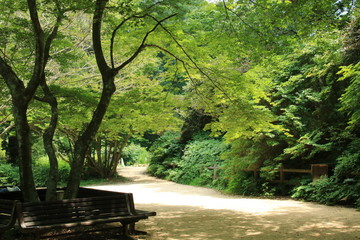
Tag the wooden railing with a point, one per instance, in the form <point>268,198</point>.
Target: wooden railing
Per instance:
<point>316,171</point>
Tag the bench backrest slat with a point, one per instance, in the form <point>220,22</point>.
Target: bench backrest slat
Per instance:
<point>74,210</point>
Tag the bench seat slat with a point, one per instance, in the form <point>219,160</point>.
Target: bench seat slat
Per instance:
<point>146,213</point>
<point>80,221</point>
<point>59,218</point>
<point>67,224</point>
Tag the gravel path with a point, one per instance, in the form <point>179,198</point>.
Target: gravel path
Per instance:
<point>195,213</point>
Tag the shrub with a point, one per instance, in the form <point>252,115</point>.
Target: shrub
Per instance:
<point>191,167</point>
<point>135,154</point>
<point>243,183</point>
<point>348,162</point>
<point>2,155</point>
<point>9,174</point>
<point>41,172</point>
<point>198,155</point>
<point>342,187</point>
<point>328,191</point>
<point>165,154</point>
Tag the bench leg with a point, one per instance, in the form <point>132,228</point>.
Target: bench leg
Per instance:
<point>133,231</point>
<point>126,231</point>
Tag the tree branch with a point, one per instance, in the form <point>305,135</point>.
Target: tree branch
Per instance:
<point>227,9</point>
<point>141,47</point>
<point>113,37</point>
<point>96,36</point>
<point>185,66</point>
<point>217,85</point>
<point>11,79</point>
<point>39,51</point>
<point>7,129</point>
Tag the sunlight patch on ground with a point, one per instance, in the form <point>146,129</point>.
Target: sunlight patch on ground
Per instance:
<point>151,195</point>
<point>339,226</point>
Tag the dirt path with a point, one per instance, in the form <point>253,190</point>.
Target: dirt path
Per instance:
<point>194,213</point>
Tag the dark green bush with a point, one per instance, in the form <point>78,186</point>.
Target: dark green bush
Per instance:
<point>330,192</point>
<point>342,187</point>
<point>9,174</point>
<point>189,164</point>
<point>135,154</point>
<point>41,172</point>
<point>165,154</point>
<point>243,183</point>
<point>200,154</point>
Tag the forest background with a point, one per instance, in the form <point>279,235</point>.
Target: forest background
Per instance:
<point>182,86</point>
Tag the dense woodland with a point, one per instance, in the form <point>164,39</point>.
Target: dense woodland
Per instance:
<point>184,86</point>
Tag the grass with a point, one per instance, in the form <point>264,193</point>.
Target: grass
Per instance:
<point>101,181</point>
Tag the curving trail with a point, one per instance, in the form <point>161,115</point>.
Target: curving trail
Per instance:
<point>195,213</point>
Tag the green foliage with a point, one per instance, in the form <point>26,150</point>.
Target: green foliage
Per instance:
<point>2,155</point>
<point>41,172</point>
<point>341,188</point>
<point>243,183</point>
<point>166,153</point>
<point>135,154</point>
<point>349,161</point>
<point>199,154</point>
<point>9,174</point>
<point>329,191</point>
<point>190,164</point>
<point>350,99</point>
<point>261,75</point>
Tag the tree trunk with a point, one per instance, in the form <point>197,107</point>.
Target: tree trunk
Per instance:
<point>20,100</point>
<point>98,151</point>
<point>118,154</point>
<point>83,143</point>
<point>27,183</point>
<point>48,136</point>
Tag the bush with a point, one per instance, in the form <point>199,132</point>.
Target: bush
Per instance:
<point>191,167</point>
<point>243,183</point>
<point>2,155</point>
<point>198,155</point>
<point>348,162</point>
<point>341,188</point>
<point>41,172</point>
<point>9,174</point>
<point>165,154</point>
<point>135,154</point>
<point>328,191</point>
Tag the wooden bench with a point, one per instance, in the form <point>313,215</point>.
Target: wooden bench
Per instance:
<point>7,214</point>
<point>91,192</point>
<point>36,218</point>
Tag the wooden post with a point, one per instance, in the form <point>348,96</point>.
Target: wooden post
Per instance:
<point>318,170</point>
<point>215,169</point>
<point>282,175</point>
<point>256,173</point>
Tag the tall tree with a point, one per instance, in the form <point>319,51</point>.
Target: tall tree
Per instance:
<point>23,91</point>
<point>108,70</point>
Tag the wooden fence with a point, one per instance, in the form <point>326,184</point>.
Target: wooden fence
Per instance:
<point>316,171</point>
